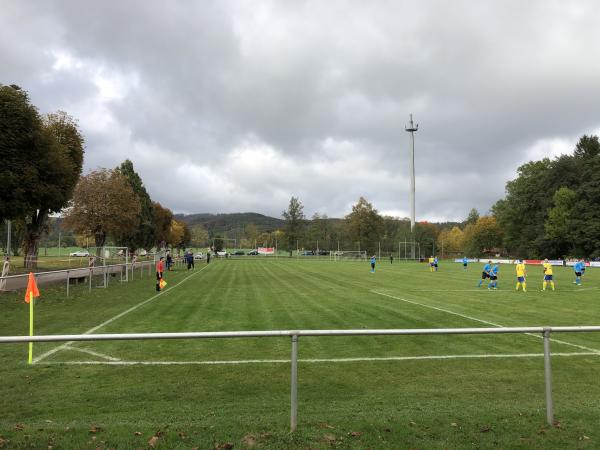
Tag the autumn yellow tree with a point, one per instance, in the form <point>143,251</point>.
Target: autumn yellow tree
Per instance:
<point>103,205</point>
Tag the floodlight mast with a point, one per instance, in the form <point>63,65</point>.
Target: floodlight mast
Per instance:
<point>411,129</point>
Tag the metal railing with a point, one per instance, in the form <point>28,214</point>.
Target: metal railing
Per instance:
<point>296,334</point>
<point>125,270</point>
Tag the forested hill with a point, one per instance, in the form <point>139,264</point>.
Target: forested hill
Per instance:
<point>220,223</point>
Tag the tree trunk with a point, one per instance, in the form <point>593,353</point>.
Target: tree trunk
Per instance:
<point>32,238</point>
<point>100,238</point>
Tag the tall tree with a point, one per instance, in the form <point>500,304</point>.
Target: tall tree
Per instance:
<point>558,225</point>
<point>473,217</point>
<point>199,235</point>
<point>178,234</point>
<point>484,236</point>
<point>103,205</point>
<point>22,143</point>
<point>162,224</point>
<point>365,225</point>
<point>294,222</point>
<point>58,173</point>
<point>143,237</point>
<point>319,230</point>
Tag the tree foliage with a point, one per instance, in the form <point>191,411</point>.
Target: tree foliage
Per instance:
<point>41,163</point>
<point>482,237</point>
<point>534,224</point>
<point>22,143</point>
<point>104,205</point>
<point>294,222</point>
<point>143,236</point>
<point>365,225</point>
<point>162,224</point>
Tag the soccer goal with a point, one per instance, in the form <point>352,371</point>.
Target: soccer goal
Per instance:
<point>348,255</point>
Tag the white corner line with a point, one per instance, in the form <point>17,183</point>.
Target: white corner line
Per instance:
<point>91,352</point>
<point>118,316</point>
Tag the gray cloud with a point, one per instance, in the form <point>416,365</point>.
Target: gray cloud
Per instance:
<point>236,106</point>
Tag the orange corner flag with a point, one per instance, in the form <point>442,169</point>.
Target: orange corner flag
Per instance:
<point>32,289</point>
<point>162,283</point>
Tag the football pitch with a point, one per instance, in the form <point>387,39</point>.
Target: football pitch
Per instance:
<point>451,391</point>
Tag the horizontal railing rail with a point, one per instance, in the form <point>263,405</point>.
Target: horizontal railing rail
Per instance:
<point>296,334</point>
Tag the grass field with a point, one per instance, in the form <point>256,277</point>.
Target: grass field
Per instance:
<point>484,391</point>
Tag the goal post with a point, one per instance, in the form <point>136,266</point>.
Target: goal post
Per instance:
<point>348,255</point>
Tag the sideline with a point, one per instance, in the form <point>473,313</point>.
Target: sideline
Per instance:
<point>112,319</point>
<point>313,361</point>
<point>464,316</point>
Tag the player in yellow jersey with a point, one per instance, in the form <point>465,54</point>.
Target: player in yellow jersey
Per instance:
<point>431,264</point>
<point>521,274</point>
<point>548,275</point>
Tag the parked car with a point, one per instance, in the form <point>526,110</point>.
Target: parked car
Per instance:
<point>308,253</point>
<point>80,253</point>
<point>142,252</point>
<point>239,253</point>
<point>222,254</point>
<point>199,255</point>
<point>252,253</point>
<point>323,253</point>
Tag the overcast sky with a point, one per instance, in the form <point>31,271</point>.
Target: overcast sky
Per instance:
<point>232,106</point>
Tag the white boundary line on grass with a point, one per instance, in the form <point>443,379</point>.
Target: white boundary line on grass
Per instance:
<point>118,316</point>
<point>558,341</point>
<point>91,352</point>
<point>313,360</point>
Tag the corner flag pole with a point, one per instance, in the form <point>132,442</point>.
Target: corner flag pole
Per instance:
<point>31,292</point>
<point>30,326</point>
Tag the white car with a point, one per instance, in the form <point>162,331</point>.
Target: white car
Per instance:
<point>80,253</point>
<point>199,255</point>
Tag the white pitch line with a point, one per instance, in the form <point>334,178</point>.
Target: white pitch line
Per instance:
<point>112,319</point>
<point>314,360</point>
<point>558,341</point>
<point>91,352</point>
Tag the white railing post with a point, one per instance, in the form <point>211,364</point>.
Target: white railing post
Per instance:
<point>294,387</point>
<point>68,279</point>
<point>548,378</point>
<point>91,275</point>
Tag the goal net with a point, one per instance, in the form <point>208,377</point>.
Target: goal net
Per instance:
<point>106,256</point>
<point>349,255</point>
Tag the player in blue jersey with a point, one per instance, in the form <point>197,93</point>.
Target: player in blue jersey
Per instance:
<point>465,262</point>
<point>486,273</point>
<point>494,277</point>
<point>373,264</point>
<point>577,268</point>
<point>435,263</point>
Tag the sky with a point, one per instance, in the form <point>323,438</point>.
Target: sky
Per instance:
<point>235,106</point>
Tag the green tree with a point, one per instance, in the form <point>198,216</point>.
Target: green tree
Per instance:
<point>365,225</point>
<point>472,218</point>
<point>143,236</point>
<point>294,223</point>
<point>23,142</point>
<point>59,169</point>
<point>218,244</point>
<point>103,205</point>
<point>558,224</point>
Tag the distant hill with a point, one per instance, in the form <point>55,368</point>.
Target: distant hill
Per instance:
<point>231,223</point>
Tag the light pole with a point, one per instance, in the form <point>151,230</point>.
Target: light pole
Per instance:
<point>8,237</point>
<point>411,129</point>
